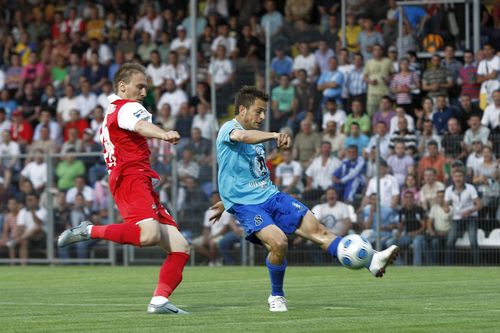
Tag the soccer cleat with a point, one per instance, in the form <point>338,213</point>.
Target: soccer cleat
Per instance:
<point>165,308</point>
<point>382,259</point>
<point>74,235</point>
<point>277,303</point>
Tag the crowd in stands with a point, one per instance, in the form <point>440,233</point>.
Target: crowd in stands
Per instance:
<point>433,109</point>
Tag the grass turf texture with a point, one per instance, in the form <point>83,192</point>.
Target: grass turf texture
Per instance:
<point>234,299</point>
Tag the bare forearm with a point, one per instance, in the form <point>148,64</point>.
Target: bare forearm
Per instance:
<point>254,136</point>
<point>149,130</point>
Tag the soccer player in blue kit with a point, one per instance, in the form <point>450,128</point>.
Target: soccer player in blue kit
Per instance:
<point>267,215</point>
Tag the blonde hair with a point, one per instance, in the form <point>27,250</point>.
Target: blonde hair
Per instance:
<point>125,73</point>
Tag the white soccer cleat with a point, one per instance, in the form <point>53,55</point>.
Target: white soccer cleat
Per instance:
<point>382,259</point>
<point>277,303</point>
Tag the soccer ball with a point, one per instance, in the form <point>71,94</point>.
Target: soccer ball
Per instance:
<point>354,251</point>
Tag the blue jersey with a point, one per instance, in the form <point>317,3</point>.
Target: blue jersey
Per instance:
<point>243,174</point>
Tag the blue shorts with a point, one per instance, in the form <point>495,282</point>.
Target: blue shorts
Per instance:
<point>281,210</point>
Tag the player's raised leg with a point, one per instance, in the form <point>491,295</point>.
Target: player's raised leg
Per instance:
<point>170,276</point>
<point>276,243</point>
<point>316,232</point>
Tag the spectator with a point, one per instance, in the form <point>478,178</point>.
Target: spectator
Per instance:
<point>440,220</point>
<point>403,83</point>
<point>331,33</point>
<point>80,188</point>
<point>356,138</point>
<point>73,141</point>
<point>289,175</point>
<point>68,169</point>
<point>283,102</point>
<point>426,137</point>
<point>306,144</point>
<point>468,78</point>
<point>425,113</point>
<point>7,104</point>
<point>465,203</point>
<point>401,164</point>
<point>73,23</point>
<point>112,28</point>
<point>331,82</point>
<point>319,173</point>
<point>49,99</point>
<point>335,138</point>
<point>348,178</point>
<point>486,179</point>
<point>221,71</point>
<point>323,55</point>
<point>36,172</point>
<point>273,18</point>
<point>491,116</point>
<point>475,158</point>
<point>29,103</point>
<point>86,100</point>
<point>352,31</point>
<point>74,71</point>
<point>187,167</point>
<point>176,71</point>
<point>35,72</point>
<point>226,40</point>
<point>430,188</point>
<point>333,114</point>
<point>21,130</point>
<point>354,84</point>
<point>410,185</point>
<point>9,230</point>
<point>95,25</point>
<point>9,151</point>
<point>305,93</point>
<point>234,236</point>
<point>205,121</point>
<point>30,227</point>
<point>66,104</point>
<point>388,222</point>
<point>466,109</point>
<point>434,160</point>
<point>157,72</point>
<point>359,117</point>
<point>249,47</point>
<point>181,44</point>
<point>389,188</point>
<point>125,48</point>
<point>150,23</point>
<point>385,113</point>
<point>305,60</point>
<point>442,114</point>
<point>5,123</point>
<point>280,64</point>
<point>488,73</point>
<point>13,73</point>
<point>437,80</point>
<point>77,122</point>
<point>191,203</point>
<point>100,53</point>
<point>380,132</point>
<point>403,134</point>
<point>412,226</point>
<point>451,64</point>
<point>377,74</point>
<point>408,41</point>
<point>453,141</point>
<point>368,37</point>
<point>44,143</point>
<point>173,96</point>
<point>335,215</point>
<point>475,132</point>
<point>145,47</point>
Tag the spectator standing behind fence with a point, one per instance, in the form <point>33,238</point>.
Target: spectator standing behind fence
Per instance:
<point>349,178</point>
<point>289,175</point>
<point>337,216</point>
<point>437,80</point>
<point>377,74</point>
<point>173,96</point>
<point>36,172</point>
<point>400,163</point>
<point>442,114</point>
<point>468,79</point>
<point>388,222</point>
<point>355,86</point>
<point>9,151</point>
<point>30,227</point>
<point>439,225</point>
<point>9,231</point>
<point>380,132</point>
<point>207,243</point>
<point>331,82</point>
<point>488,75</point>
<point>307,143</point>
<point>465,206</point>
<point>476,132</point>
<point>434,160</point>
<point>412,226</point>
<point>357,116</point>
<point>491,116</point>
<point>320,171</point>
<point>68,169</point>
<point>283,103</point>
<point>389,188</point>
<point>335,138</point>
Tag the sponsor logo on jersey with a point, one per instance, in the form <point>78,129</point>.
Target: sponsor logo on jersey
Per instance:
<point>258,220</point>
<point>296,205</point>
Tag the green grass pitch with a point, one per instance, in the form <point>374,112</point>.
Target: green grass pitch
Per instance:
<point>234,299</point>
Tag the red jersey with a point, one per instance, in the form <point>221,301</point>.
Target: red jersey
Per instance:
<point>125,151</point>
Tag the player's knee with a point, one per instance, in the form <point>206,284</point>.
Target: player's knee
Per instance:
<point>279,246</point>
<point>185,247</point>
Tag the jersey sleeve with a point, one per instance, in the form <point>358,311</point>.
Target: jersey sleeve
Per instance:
<point>130,113</point>
<point>225,131</point>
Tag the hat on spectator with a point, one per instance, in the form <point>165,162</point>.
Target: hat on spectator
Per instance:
<point>393,49</point>
<point>383,162</point>
<point>17,112</point>
<point>180,27</point>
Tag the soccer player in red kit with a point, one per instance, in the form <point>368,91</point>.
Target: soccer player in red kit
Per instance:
<point>124,134</point>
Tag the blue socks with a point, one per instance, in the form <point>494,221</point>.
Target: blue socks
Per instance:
<point>277,275</point>
<point>332,248</point>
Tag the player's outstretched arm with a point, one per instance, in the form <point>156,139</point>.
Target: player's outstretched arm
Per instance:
<point>256,136</point>
<point>149,130</point>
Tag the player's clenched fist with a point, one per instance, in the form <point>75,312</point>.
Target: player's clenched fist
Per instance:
<point>283,140</point>
<point>172,137</point>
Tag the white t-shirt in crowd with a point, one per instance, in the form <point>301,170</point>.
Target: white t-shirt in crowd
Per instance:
<point>333,216</point>
<point>322,174</point>
<point>462,201</point>
<point>389,187</point>
<point>36,173</point>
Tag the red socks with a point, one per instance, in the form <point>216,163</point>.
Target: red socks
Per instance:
<point>123,233</point>
<point>171,273</point>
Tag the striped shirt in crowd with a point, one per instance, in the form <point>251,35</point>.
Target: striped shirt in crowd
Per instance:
<point>409,139</point>
<point>355,84</point>
<point>437,75</point>
<point>470,86</point>
<point>399,80</point>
